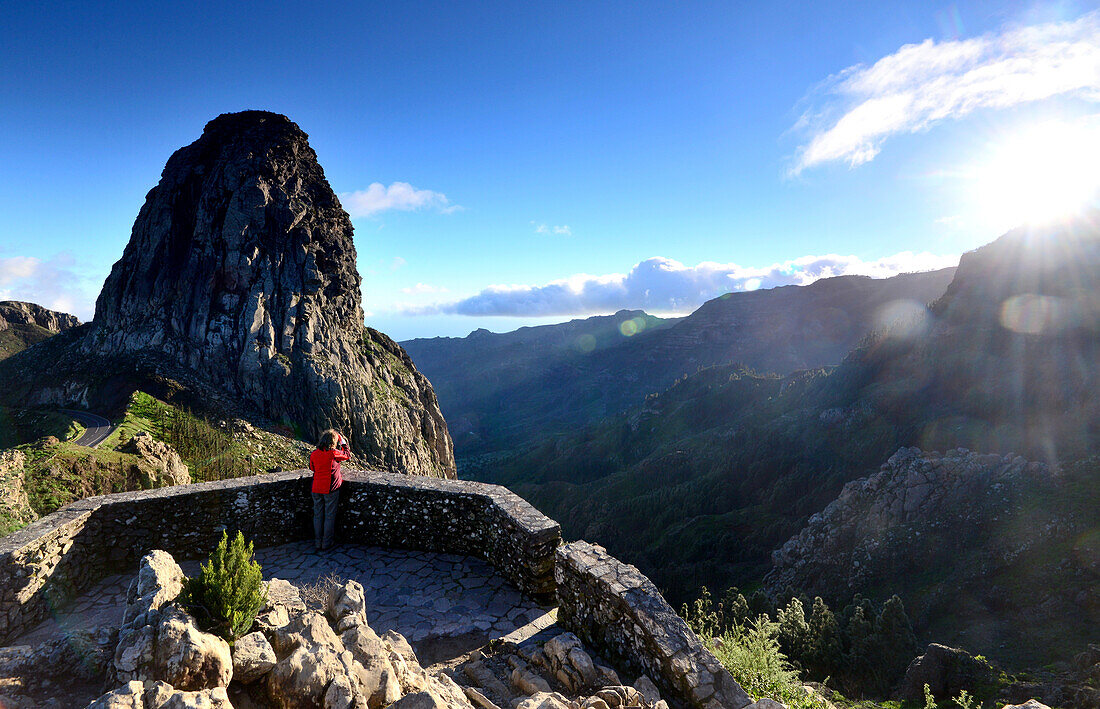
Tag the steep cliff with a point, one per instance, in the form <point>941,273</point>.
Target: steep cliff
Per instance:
<point>26,324</point>
<point>991,551</point>
<point>239,282</point>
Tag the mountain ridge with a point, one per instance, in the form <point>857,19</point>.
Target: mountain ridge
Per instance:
<point>780,329</point>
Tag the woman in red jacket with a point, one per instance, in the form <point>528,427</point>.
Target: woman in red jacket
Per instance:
<point>325,464</point>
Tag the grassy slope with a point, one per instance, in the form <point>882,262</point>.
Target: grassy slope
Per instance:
<point>57,474</point>
<point>18,337</point>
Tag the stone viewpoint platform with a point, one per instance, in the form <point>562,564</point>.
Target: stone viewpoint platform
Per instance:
<point>439,559</point>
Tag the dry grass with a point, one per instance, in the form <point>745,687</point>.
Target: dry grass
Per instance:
<point>315,595</point>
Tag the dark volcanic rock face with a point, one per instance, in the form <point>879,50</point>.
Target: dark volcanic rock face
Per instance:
<point>240,275</point>
<point>986,550</point>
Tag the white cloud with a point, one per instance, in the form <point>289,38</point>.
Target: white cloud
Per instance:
<point>397,263</point>
<point>53,283</point>
<point>399,196</point>
<point>562,230</point>
<point>663,285</point>
<point>922,84</point>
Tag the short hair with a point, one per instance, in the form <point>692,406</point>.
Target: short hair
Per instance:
<point>328,440</point>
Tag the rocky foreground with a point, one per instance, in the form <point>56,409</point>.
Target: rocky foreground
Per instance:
<point>298,656</point>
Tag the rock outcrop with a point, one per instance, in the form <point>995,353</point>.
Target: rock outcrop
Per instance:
<point>983,536</point>
<point>241,271</point>
<point>15,507</point>
<point>25,324</point>
<point>160,465</point>
<point>946,671</point>
<point>14,312</point>
<point>239,283</point>
<point>158,641</point>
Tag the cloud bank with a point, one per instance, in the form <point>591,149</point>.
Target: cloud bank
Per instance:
<point>400,196</point>
<point>663,285</point>
<point>53,283</point>
<point>922,84</point>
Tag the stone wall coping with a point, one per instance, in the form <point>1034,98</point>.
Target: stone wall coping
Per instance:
<point>524,514</point>
<point>639,627</point>
<point>18,540</point>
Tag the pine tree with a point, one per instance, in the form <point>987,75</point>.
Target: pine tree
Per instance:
<point>825,653</point>
<point>228,592</point>
<point>794,631</point>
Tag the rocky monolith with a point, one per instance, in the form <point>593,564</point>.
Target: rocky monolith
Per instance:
<point>240,281</point>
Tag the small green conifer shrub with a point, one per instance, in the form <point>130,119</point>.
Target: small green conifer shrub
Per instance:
<point>228,592</point>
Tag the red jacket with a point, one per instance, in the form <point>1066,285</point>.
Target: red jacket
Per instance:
<point>326,469</point>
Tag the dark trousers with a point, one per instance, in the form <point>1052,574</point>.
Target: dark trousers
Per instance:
<point>324,518</point>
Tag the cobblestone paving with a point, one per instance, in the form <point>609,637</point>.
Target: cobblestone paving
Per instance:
<point>422,595</point>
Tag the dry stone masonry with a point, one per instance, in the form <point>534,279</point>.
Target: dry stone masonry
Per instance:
<point>614,607</point>
<point>58,556</point>
<point>608,607</point>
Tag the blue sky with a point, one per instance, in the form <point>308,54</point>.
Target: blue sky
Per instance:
<point>514,163</point>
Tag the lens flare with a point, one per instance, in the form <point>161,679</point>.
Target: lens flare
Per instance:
<point>1040,174</point>
<point>1033,314</point>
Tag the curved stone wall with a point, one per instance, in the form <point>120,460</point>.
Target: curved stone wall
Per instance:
<point>609,604</point>
<point>617,610</point>
<point>59,556</point>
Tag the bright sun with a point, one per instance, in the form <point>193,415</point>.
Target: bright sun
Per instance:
<point>1044,172</point>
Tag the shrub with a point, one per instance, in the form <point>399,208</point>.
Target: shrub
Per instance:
<point>752,655</point>
<point>228,592</point>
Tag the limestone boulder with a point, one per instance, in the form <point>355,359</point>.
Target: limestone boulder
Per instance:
<point>160,695</point>
<point>420,700</point>
<point>188,658</point>
<point>346,599</point>
<point>570,663</point>
<point>621,696</point>
<point>544,700</point>
<point>528,682</point>
<point>159,581</point>
<point>253,657</point>
<point>129,696</point>
<point>283,600</point>
<point>158,640</point>
<point>14,504</point>
<point>160,465</point>
<point>312,664</point>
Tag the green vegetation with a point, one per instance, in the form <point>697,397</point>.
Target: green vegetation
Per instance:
<point>862,651</point>
<point>18,337</point>
<point>209,452</point>
<point>19,426</point>
<point>59,473</point>
<point>699,484</point>
<point>228,592</point>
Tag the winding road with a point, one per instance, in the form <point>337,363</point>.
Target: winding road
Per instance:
<point>96,427</point>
